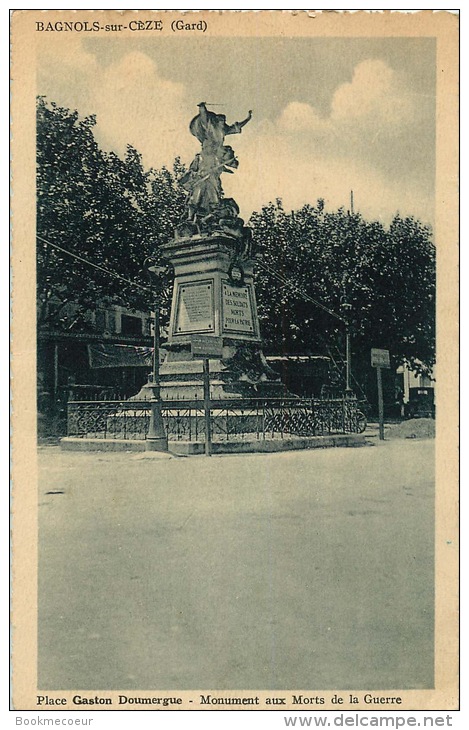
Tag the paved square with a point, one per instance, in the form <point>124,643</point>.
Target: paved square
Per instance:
<point>300,570</point>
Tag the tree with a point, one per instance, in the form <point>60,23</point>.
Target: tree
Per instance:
<point>381,280</point>
<point>112,212</point>
<point>104,209</point>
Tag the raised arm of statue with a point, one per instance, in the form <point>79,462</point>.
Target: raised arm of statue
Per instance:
<point>248,119</point>
<point>237,126</point>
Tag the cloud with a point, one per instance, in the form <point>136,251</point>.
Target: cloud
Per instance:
<point>135,105</point>
<point>375,94</point>
<point>66,54</point>
<point>360,144</point>
<point>272,166</point>
<point>375,97</point>
<point>298,117</point>
<point>65,70</point>
<point>364,142</point>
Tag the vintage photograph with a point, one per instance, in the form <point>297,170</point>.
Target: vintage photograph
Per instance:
<point>235,250</point>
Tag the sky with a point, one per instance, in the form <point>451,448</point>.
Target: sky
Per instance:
<point>330,115</point>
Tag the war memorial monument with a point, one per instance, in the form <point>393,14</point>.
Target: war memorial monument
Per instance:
<point>214,294</point>
<point>213,379</point>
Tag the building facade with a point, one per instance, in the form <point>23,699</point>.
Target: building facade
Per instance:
<point>108,355</point>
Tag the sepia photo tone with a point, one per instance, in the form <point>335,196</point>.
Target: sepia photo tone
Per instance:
<point>235,360</point>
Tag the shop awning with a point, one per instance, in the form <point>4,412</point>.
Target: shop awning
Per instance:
<point>102,355</point>
<point>297,358</point>
<point>307,365</point>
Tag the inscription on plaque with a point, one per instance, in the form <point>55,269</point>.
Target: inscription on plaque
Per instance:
<point>237,309</point>
<point>195,308</point>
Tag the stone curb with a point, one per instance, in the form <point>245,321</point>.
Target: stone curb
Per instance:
<point>193,448</point>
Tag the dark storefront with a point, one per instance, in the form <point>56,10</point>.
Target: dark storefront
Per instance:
<point>86,367</point>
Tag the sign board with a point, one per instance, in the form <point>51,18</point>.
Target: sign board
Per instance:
<point>237,309</point>
<point>195,308</point>
<point>204,346</point>
<point>380,358</point>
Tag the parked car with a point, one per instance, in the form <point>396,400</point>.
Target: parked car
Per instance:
<point>421,403</point>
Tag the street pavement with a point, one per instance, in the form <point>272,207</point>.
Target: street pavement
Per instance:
<point>298,570</point>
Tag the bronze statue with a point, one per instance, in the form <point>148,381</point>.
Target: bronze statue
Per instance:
<point>202,181</point>
<point>211,129</point>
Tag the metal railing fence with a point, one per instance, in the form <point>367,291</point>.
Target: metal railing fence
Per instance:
<point>232,419</point>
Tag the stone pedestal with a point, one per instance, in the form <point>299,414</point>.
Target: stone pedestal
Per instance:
<point>214,295</point>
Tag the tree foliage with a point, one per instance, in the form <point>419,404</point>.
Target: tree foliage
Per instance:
<point>107,210</point>
<point>382,280</point>
<point>114,213</point>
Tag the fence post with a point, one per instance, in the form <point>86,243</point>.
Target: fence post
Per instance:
<point>208,434</point>
<point>68,418</point>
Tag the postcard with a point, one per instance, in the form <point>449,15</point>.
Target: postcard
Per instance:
<point>235,360</point>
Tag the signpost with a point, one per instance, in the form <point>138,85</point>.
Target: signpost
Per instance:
<point>204,347</point>
<point>380,359</point>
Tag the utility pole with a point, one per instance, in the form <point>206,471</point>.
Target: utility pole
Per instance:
<point>208,426</point>
<point>346,307</point>
<point>348,360</point>
<point>156,438</point>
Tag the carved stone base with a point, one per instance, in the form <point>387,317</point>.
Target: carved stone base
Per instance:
<point>242,373</point>
<point>214,296</point>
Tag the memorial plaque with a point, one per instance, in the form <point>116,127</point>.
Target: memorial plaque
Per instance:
<point>206,346</point>
<point>195,308</point>
<point>237,309</point>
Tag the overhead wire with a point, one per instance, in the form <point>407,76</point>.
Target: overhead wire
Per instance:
<point>93,265</point>
<point>298,290</point>
<point>304,295</point>
<point>262,265</point>
<point>275,274</point>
